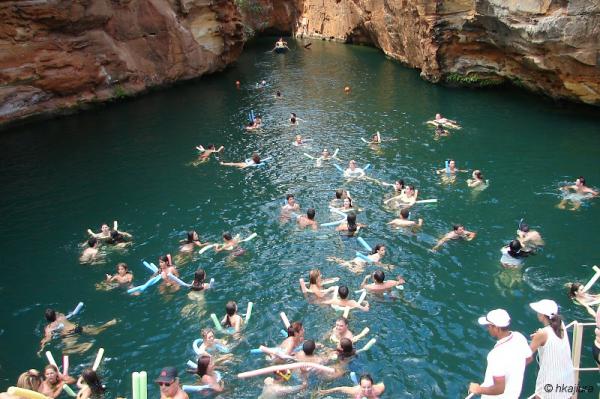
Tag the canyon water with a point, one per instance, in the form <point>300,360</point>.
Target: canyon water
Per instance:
<point>130,162</point>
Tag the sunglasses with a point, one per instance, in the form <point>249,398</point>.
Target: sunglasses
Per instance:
<point>165,384</point>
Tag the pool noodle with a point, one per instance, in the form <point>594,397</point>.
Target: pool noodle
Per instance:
<point>283,333</point>
<point>338,167</point>
<point>310,156</point>
<point>143,385</point>
<point>216,322</point>
<point>364,257</point>
<point>65,365</point>
<point>335,210</point>
<point>280,367</point>
<point>98,359</point>
<point>447,166</point>
<point>211,284</point>
<point>147,284</point>
<point>26,393</point>
<point>337,222</point>
<point>367,166</point>
<point>135,384</point>
<point>206,248</point>
<point>284,318</point>
<point>593,280</point>
<point>354,378</point>
<point>75,311</point>
<point>427,201</point>
<point>368,142</point>
<point>178,280</point>
<point>368,346</point>
<point>194,388</point>
<point>250,237</point>
<point>51,359</point>
<point>191,364</point>
<point>335,153</point>
<point>68,390</point>
<point>151,266</point>
<point>248,312</point>
<point>364,243</point>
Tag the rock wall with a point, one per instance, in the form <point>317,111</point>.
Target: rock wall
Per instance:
<point>57,54</point>
<point>548,46</point>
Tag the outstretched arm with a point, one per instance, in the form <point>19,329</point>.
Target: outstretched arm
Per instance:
<point>346,390</point>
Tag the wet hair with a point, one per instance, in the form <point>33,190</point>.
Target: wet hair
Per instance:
<point>31,379</point>
<point>351,221</point>
<point>582,180</point>
<point>343,320</point>
<point>478,174</point>
<point>293,114</point>
<point>230,309</point>
<point>310,213</point>
<point>190,236</point>
<point>51,367</point>
<point>514,249</point>
<point>524,227</point>
<point>293,120</point>
<point>439,127</point>
<point>294,329</point>
<point>401,182</point>
<point>116,237</point>
<point>405,213</point>
<point>202,365</point>
<point>166,259</point>
<point>379,276</point>
<point>308,347</point>
<point>92,242</point>
<point>124,266</point>
<point>211,146</point>
<point>339,193</point>
<point>199,277</point>
<point>256,158</point>
<point>346,349</point>
<point>411,187</point>
<point>349,201</point>
<point>366,377</point>
<point>287,197</point>
<point>313,275</point>
<point>343,292</point>
<point>278,94</point>
<point>93,381</point>
<point>227,236</point>
<point>573,288</point>
<point>455,227</point>
<point>377,248</point>
<point>50,315</point>
<point>206,331</point>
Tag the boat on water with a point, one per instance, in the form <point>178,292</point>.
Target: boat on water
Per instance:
<point>281,46</point>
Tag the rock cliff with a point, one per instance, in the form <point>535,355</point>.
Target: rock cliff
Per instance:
<point>58,54</point>
<point>547,46</point>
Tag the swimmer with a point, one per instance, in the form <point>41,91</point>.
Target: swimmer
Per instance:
<point>205,153</point>
<point>357,265</point>
<point>278,95</point>
<point>580,190</point>
<point>89,385</point>
<point>169,384</point>
<point>343,300</point>
<point>379,285</point>
<point>119,239</point>
<point>458,231</point>
<point>229,243</point>
<point>404,222</point>
<point>451,169</point>
<point>316,284</point>
<point>375,139</point>
<point>298,141</point>
<point>341,331</point>
<point>191,242</point>
<point>347,206</point>
<point>308,220</point>
<point>54,381</point>
<point>578,294</point>
<point>439,120</point>
<point>531,240</point>
<point>347,89</point>
<point>274,387</point>
<point>407,198</point>
<point>295,337</point>
<point>206,371</point>
<point>399,186</point>
<point>279,44</point>
<point>294,122</point>
<point>255,124</point>
<point>307,354</point>
<point>198,284</point>
<point>232,319</point>
<point>365,390</point>
<point>255,160</point>
<point>340,195</point>
<point>123,275</point>
<point>104,233</point>
<point>353,171</point>
<point>440,132</point>
<point>350,226</point>
<point>30,379</point>
<point>477,180</point>
<point>91,253</point>
<point>209,342</point>
<point>512,255</point>
<point>166,266</point>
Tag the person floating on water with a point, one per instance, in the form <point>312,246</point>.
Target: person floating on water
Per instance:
<point>255,124</point>
<point>308,220</point>
<point>53,382</point>
<point>350,227</point>
<point>298,141</point>
<point>290,206</point>
<point>440,132</point>
<point>191,242</point>
<point>166,267</point>
<point>295,337</point>
<point>343,300</point>
<point>104,233</point>
<point>294,119</point>
<point>230,243</point>
<point>210,345</point>
<point>30,379</point>
<point>122,277</point>
<point>169,384</point>
<point>199,283</point>
<point>580,191</point>
<point>512,255</point>
<point>231,318</point>
<point>407,197</point>
<point>357,265</point>
<point>254,161</point>
<point>477,181</point>
<point>205,153</point>
<point>280,45</point>
<point>274,387</point>
<point>205,369</point>
<point>439,120</point>
<point>404,222</point>
<point>59,324</point>
<point>379,285</point>
<point>316,283</point>
<point>458,232</point>
<point>353,171</point>
<point>338,199</point>
<point>366,389</point>
<point>530,240</point>
<point>91,254</point>
<point>578,293</point>
<point>89,385</point>
<point>450,168</point>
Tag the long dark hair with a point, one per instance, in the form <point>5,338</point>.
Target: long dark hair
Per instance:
<point>230,308</point>
<point>351,221</point>
<point>556,324</point>
<point>346,349</point>
<point>198,283</point>
<point>202,366</point>
<point>573,288</point>
<point>93,381</point>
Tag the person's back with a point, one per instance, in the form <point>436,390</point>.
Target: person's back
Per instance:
<point>555,363</point>
<point>510,356</point>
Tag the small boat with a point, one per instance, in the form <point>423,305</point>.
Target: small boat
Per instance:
<point>281,49</point>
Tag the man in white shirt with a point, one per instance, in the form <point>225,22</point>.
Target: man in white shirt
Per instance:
<point>505,362</point>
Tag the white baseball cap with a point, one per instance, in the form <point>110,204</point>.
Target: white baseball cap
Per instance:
<point>496,317</point>
<point>546,307</point>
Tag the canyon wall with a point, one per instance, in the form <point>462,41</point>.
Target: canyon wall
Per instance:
<point>547,46</point>
<point>58,54</point>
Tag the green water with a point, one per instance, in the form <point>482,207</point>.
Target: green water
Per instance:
<point>129,161</point>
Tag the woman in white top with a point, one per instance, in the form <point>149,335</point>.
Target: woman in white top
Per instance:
<point>552,344</point>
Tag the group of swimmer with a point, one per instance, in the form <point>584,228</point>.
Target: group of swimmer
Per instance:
<point>307,354</point>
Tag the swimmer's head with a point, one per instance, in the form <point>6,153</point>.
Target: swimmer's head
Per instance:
<point>227,236</point>
<point>379,276</point>
<point>164,260</point>
<point>314,276</point>
<point>51,374</point>
<point>514,248</point>
<point>580,181</point>
<point>255,158</point>
<point>192,236</point>
<point>451,163</point>
<point>211,147</point>
<point>203,366</point>
<point>91,379</point>
<point>264,82</point>
<point>341,325</point>
<point>352,164</point>
<point>366,385</point>
<point>345,348</point>
<point>340,193</point>
<point>477,174</point>
<point>122,268</point>
<point>575,289</point>
<point>283,375</point>
<point>208,335</point>
<point>105,229</point>
<point>404,213</point>
<point>439,127</point>
<point>524,227</point>
<point>410,189</point>
<point>438,116</point>
<point>351,219</point>
<point>296,330</point>
<point>92,242</point>
<point>290,199</point>
<point>199,276</point>
<point>347,202</point>
<point>116,237</point>
<point>343,292</point>
<point>347,89</point>
<point>293,115</point>
<point>458,229</point>
<point>325,152</point>
<point>298,137</point>
<point>293,121</point>
<point>308,347</point>
<point>278,94</point>
<point>50,315</point>
<point>379,249</point>
<point>231,308</point>
<point>310,213</point>
<point>399,185</point>
<point>30,379</point>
